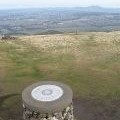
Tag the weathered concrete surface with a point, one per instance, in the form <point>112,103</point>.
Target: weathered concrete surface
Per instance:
<point>37,108</point>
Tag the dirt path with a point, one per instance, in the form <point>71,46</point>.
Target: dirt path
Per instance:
<point>96,110</point>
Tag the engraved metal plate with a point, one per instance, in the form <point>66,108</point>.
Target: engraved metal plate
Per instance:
<point>46,93</point>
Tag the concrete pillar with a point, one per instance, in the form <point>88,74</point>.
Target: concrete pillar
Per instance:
<point>48,100</point>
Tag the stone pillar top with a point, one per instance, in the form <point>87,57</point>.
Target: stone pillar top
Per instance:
<point>47,97</point>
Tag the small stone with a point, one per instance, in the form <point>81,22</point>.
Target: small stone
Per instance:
<point>67,109</point>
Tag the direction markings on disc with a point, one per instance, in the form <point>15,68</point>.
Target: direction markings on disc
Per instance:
<point>47,93</point>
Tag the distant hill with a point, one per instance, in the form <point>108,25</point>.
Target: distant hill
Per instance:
<point>61,9</point>
<point>98,9</point>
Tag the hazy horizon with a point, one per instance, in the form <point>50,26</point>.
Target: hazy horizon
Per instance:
<point>13,4</point>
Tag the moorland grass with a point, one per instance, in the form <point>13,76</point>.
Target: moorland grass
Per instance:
<point>88,62</point>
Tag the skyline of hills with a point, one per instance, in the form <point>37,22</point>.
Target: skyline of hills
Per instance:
<point>93,8</point>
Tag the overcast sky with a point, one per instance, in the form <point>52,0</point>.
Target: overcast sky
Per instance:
<point>57,3</point>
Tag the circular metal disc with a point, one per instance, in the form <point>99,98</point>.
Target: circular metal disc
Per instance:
<point>46,93</point>
<point>47,96</point>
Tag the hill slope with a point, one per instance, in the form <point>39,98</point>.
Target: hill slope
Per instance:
<point>88,62</point>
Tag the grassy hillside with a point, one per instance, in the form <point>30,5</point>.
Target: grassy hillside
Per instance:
<point>88,62</point>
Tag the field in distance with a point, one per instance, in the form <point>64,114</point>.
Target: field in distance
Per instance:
<point>88,62</point>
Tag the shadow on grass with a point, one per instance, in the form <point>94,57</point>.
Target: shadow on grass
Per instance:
<point>3,98</point>
<point>10,112</point>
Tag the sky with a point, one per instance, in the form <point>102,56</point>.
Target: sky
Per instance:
<point>57,3</point>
